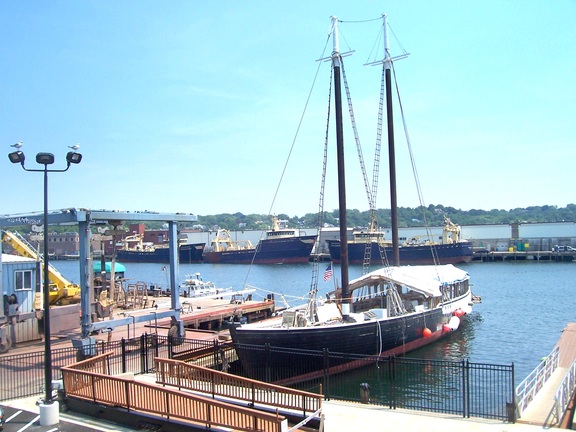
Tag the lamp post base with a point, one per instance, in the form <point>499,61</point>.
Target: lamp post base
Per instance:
<point>49,413</point>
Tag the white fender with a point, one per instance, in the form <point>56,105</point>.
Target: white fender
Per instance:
<point>454,323</point>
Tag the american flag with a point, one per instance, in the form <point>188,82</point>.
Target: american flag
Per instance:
<point>328,273</point>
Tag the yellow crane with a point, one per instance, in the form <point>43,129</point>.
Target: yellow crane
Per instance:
<point>62,291</point>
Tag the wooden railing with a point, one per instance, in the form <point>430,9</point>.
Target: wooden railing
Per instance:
<point>99,363</point>
<point>196,378</point>
<point>82,381</point>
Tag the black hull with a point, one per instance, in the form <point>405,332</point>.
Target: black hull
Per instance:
<point>453,253</point>
<point>292,250</point>
<point>188,253</point>
<point>390,336</point>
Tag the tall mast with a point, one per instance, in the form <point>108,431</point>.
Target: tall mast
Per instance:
<point>336,64</point>
<point>391,151</point>
<point>387,66</point>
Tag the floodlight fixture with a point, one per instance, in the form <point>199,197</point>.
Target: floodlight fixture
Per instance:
<point>45,158</point>
<point>17,157</point>
<point>73,158</point>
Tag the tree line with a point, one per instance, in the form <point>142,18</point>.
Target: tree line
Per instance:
<point>433,215</point>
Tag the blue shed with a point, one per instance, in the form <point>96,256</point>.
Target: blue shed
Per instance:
<point>21,301</point>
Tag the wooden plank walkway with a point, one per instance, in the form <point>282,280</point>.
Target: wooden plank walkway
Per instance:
<point>541,410</point>
<point>89,381</point>
<point>209,313</point>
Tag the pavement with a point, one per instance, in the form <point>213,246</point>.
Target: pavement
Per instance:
<point>23,415</point>
<point>346,416</point>
<point>338,417</point>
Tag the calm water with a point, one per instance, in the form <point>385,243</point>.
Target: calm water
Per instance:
<point>525,305</point>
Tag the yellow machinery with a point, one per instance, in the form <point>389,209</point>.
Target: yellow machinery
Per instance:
<point>62,291</point>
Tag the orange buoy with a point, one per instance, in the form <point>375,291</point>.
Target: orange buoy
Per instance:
<point>427,332</point>
<point>446,328</point>
<point>459,313</point>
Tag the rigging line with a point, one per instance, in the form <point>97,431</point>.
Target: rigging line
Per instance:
<point>276,292</point>
<point>383,255</point>
<point>369,191</point>
<point>291,148</point>
<point>397,40</point>
<point>376,173</point>
<point>312,293</point>
<point>361,21</point>
<point>414,170</point>
<point>357,139</point>
<point>376,47</point>
<point>298,128</point>
<point>379,332</point>
<point>343,37</point>
<point>376,166</point>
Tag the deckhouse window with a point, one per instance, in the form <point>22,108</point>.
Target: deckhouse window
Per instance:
<point>23,280</point>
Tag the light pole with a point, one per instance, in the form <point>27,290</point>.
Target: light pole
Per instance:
<point>46,159</point>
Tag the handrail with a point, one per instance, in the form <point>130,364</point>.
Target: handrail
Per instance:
<point>98,363</point>
<point>565,391</point>
<point>137,396</point>
<point>196,378</point>
<point>527,389</point>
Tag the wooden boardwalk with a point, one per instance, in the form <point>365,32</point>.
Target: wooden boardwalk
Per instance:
<point>541,410</point>
<point>199,397</point>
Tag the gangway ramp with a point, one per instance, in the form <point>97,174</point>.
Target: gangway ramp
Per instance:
<point>549,388</point>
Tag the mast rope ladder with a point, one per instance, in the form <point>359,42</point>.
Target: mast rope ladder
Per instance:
<point>357,139</point>
<point>376,168</point>
<point>311,307</point>
<point>370,192</point>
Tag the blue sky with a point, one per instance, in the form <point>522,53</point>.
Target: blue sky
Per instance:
<point>190,106</point>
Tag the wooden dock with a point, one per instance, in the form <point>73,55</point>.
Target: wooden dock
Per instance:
<point>541,410</point>
<point>210,313</point>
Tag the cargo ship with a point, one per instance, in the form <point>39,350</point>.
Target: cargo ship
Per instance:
<point>133,249</point>
<point>371,246</point>
<point>280,246</point>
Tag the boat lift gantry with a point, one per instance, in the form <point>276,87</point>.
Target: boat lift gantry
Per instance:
<point>84,219</point>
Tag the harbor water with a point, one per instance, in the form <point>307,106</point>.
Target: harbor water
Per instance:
<point>525,305</point>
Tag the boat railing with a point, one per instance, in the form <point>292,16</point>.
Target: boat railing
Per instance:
<point>527,389</point>
<point>565,391</point>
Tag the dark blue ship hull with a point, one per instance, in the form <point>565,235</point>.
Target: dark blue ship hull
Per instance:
<point>188,253</point>
<point>454,253</point>
<point>268,251</point>
<point>384,337</point>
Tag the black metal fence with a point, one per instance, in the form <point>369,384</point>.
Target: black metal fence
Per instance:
<point>455,387</point>
<point>22,375</point>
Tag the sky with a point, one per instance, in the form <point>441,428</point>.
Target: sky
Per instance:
<point>220,107</point>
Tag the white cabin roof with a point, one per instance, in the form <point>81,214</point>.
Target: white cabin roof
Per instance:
<point>424,279</point>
